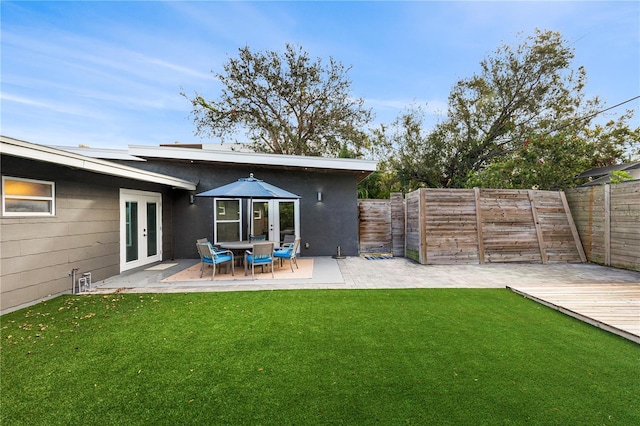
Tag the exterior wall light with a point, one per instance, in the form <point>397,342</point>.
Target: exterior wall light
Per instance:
<point>192,199</point>
<point>319,196</point>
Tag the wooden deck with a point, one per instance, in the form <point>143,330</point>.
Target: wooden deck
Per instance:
<point>612,307</point>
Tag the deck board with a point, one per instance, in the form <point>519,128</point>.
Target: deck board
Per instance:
<point>612,307</point>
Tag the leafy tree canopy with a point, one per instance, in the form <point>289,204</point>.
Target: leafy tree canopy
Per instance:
<point>542,162</point>
<point>286,103</point>
<point>520,91</point>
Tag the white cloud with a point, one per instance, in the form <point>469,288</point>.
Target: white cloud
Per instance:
<point>52,106</point>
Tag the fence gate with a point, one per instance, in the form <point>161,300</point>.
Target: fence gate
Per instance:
<point>374,223</point>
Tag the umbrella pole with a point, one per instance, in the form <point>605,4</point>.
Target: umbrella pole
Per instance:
<point>249,218</point>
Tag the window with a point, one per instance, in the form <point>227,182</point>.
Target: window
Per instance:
<point>227,226</point>
<point>27,197</point>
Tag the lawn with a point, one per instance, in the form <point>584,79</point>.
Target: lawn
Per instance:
<point>428,356</point>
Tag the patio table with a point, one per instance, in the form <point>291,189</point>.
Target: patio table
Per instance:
<point>240,246</point>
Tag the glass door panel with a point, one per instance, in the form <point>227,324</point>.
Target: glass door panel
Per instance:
<point>140,228</point>
<point>152,229</point>
<point>273,219</point>
<point>260,224</point>
<point>131,231</point>
<point>286,219</point>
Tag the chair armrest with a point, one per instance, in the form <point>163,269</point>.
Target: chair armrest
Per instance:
<point>229,252</point>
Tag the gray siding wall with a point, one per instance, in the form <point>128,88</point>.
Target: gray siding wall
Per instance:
<point>37,254</point>
<point>323,225</point>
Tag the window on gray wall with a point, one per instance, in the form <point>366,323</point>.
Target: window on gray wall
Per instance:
<point>27,197</point>
<point>227,220</point>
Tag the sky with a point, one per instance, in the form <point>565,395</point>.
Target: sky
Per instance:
<point>109,74</point>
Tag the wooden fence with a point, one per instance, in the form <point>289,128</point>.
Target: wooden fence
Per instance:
<point>443,226</point>
<point>374,225</point>
<point>381,225</point>
<point>608,220</point>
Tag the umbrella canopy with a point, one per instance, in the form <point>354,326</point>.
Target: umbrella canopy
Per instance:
<point>248,188</point>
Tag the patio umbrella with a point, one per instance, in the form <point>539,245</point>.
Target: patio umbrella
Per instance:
<point>248,188</point>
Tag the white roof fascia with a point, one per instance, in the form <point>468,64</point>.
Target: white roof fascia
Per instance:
<point>101,153</point>
<point>234,157</point>
<point>32,151</point>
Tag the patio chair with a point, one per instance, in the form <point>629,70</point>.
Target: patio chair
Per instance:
<point>210,256</point>
<point>288,239</point>
<point>288,251</point>
<point>262,254</point>
<point>215,247</point>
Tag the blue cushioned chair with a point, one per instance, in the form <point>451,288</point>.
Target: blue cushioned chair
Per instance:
<point>288,251</point>
<point>262,254</point>
<point>213,257</point>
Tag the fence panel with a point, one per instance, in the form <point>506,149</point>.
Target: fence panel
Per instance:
<point>608,220</point>
<point>375,226</point>
<point>448,226</point>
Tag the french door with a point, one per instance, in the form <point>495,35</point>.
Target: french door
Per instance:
<point>274,219</point>
<point>140,228</point>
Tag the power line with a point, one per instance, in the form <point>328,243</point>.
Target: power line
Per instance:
<point>593,115</point>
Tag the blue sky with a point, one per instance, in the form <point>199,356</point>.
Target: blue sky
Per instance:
<point>109,74</point>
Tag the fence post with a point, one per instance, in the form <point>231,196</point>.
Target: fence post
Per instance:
<point>574,229</point>
<point>476,192</point>
<point>397,224</point>
<point>536,223</point>
<point>607,224</point>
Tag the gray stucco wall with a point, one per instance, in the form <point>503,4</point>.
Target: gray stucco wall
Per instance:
<point>37,254</point>
<point>324,225</point>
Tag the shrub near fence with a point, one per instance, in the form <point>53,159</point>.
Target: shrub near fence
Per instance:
<point>608,220</point>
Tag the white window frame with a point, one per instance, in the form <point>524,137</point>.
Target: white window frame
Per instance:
<point>216,220</point>
<point>52,198</point>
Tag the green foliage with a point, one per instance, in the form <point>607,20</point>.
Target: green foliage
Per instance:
<point>286,103</point>
<point>405,151</point>
<point>432,356</point>
<point>523,90</point>
<point>520,91</point>
<point>378,185</point>
<point>619,176</point>
<point>615,141</point>
<point>542,162</point>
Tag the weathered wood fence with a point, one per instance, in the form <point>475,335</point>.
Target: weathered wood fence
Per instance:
<point>608,220</point>
<point>443,226</point>
<point>381,225</point>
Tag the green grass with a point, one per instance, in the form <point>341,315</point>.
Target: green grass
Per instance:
<point>428,356</point>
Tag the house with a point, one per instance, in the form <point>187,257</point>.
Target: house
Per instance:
<point>108,211</point>
<point>602,175</point>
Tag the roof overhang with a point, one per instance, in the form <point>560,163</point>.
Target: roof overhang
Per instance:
<point>18,148</point>
<point>362,167</point>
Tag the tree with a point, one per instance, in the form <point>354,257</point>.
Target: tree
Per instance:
<point>522,90</point>
<point>529,89</point>
<point>542,162</point>
<point>286,103</point>
<point>407,155</point>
